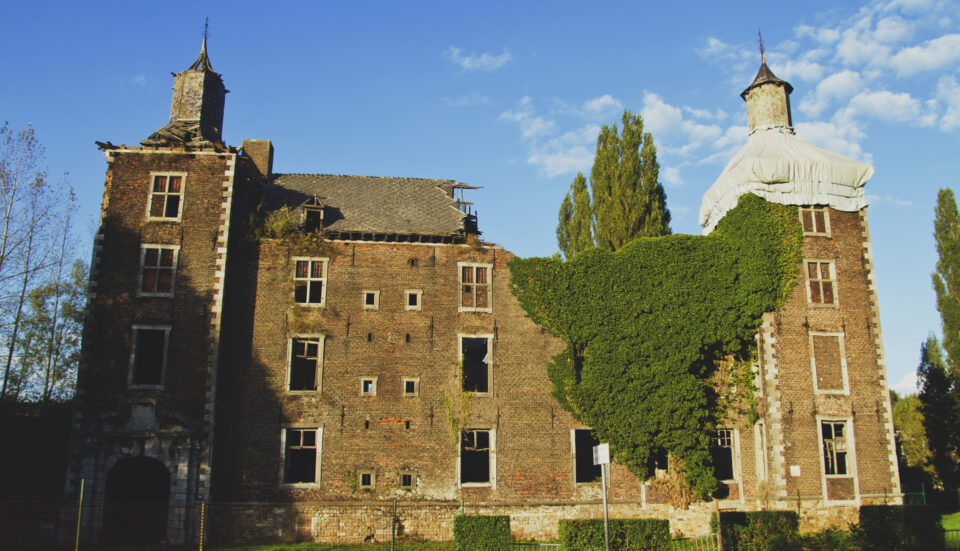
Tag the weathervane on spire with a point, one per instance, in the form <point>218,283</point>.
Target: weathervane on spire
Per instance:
<point>206,28</point>
<point>760,36</point>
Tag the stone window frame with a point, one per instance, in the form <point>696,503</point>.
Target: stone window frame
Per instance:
<point>474,285</point>
<point>406,300</point>
<point>372,474</point>
<point>318,429</point>
<point>144,247</point>
<point>492,464</point>
<point>844,374</point>
<point>166,193</point>
<point>490,358</point>
<point>135,328</point>
<point>851,459</point>
<point>833,282</point>
<point>574,457</point>
<point>812,210</point>
<point>735,466</point>
<point>416,387</point>
<point>320,338</point>
<point>414,479</point>
<point>324,279</point>
<point>373,381</point>
<point>367,293</point>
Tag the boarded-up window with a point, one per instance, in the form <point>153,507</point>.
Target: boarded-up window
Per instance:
<point>474,354</point>
<point>304,364</point>
<point>149,356</point>
<point>300,456</point>
<point>828,362</point>
<point>584,440</point>
<point>475,456</point>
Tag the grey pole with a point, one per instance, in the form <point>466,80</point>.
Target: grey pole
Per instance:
<point>606,530</point>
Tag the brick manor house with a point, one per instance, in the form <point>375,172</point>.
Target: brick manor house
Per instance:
<point>388,360</point>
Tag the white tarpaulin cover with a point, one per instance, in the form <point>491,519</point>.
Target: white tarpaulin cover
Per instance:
<point>782,168</point>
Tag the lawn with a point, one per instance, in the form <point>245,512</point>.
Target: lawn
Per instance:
<point>428,546</point>
<point>951,521</point>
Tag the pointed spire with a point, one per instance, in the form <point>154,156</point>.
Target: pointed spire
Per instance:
<point>768,98</point>
<point>203,62</point>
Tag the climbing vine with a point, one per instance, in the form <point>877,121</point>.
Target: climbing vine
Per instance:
<point>648,326</point>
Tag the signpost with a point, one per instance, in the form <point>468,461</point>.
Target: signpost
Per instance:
<point>601,456</point>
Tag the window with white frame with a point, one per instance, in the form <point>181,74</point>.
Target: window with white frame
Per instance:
<point>310,281</point>
<point>368,386</point>
<point>148,355</point>
<point>475,362</point>
<point>820,282</point>
<point>828,362</point>
<point>815,220</point>
<point>475,287</point>
<point>367,480</point>
<point>722,450</point>
<point>834,439</point>
<point>408,480</point>
<point>413,299</point>
<point>166,196</point>
<point>411,386</point>
<point>301,455</point>
<point>158,268</point>
<point>371,300</point>
<point>306,363</point>
<point>475,456</point>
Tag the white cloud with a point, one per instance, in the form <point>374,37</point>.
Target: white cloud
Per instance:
<point>874,199</point>
<point>907,385</point>
<point>602,104</point>
<point>893,29</point>
<point>672,131</point>
<point>948,93</point>
<point>467,100</point>
<point>822,35</point>
<point>568,153</point>
<point>933,54</point>
<point>671,176</point>
<point>530,124</point>
<point>832,137</point>
<point>838,86</point>
<point>788,69</point>
<point>483,62</point>
<point>886,106</point>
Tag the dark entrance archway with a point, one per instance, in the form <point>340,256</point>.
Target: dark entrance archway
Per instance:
<point>136,504</point>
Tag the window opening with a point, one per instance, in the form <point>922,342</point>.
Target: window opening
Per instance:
<point>475,456</point>
<point>369,337</point>
<point>721,448</point>
<point>820,282</point>
<point>834,448</point>
<point>157,267</point>
<point>406,425</point>
<point>371,300</point>
<point>312,218</point>
<point>368,479</point>
<point>407,480</point>
<point>407,337</point>
<point>584,441</point>
<point>366,424</point>
<point>304,364</point>
<point>149,356</point>
<point>310,281</point>
<point>413,300</point>
<point>475,354</point>
<point>411,386</point>
<point>165,196</point>
<point>368,386</point>
<point>815,220</point>
<point>300,457</point>
<point>474,287</point>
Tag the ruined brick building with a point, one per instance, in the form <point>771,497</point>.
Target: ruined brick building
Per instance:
<point>375,351</point>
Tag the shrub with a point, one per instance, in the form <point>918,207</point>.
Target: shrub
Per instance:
<point>482,533</point>
<point>760,531</point>
<point>831,539</point>
<point>900,528</point>
<point>632,534</point>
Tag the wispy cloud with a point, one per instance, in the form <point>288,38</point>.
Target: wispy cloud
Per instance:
<point>531,124</point>
<point>467,100</point>
<point>889,199</point>
<point>482,62</point>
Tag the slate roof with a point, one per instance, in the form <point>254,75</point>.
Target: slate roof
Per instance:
<point>371,204</point>
<point>765,76</point>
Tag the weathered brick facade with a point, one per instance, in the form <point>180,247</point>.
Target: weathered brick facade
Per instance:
<point>384,315</point>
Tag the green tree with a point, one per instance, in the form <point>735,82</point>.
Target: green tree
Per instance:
<point>626,199</point>
<point>940,408</point>
<point>911,438</point>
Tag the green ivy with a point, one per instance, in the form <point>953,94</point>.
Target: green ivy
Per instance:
<point>646,327</point>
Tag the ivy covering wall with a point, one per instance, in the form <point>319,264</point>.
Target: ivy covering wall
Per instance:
<point>647,326</point>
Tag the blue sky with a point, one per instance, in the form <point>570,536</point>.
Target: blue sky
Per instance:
<point>510,95</point>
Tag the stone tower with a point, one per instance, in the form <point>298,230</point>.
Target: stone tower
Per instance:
<point>768,101</point>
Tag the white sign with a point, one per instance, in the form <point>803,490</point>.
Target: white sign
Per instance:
<point>601,454</point>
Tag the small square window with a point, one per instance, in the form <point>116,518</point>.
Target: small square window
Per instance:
<point>414,300</point>
<point>367,480</point>
<point>166,196</point>
<point>408,480</point>
<point>368,386</point>
<point>815,220</point>
<point>411,386</point>
<point>371,300</point>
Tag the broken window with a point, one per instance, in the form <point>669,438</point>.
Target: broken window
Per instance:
<point>829,365</point>
<point>368,386</point>
<point>158,263</point>
<point>584,440</point>
<point>475,358</point>
<point>149,355</point>
<point>721,448</point>
<point>475,287</point>
<point>411,386</point>
<point>312,218</point>
<point>300,456</point>
<point>815,220</point>
<point>165,196</point>
<point>413,299</point>
<point>310,281</point>
<point>367,480</point>
<point>371,300</point>
<point>305,362</point>
<point>820,278</point>
<point>834,447</point>
<point>475,457</point>
<point>408,480</point>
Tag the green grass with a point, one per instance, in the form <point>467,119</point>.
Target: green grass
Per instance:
<point>427,546</point>
<point>951,521</point>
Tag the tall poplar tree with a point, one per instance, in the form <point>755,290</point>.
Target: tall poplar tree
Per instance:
<point>626,199</point>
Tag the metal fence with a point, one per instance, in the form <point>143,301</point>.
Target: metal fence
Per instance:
<point>702,543</point>
<point>952,540</point>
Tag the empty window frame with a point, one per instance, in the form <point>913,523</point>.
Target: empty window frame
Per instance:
<point>166,196</point>
<point>148,355</point>
<point>475,362</point>
<point>476,446</point>
<point>312,218</point>
<point>410,386</point>
<point>834,441</point>
<point>413,299</point>
<point>371,300</point>
<point>368,386</point>
<point>820,276</point>
<point>301,455</point>
<point>475,287</point>
<point>305,369</point>
<point>310,281</point>
<point>815,220</point>
<point>408,480</point>
<point>583,442</point>
<point>722,450</point>
<point>158,268</point>
<point>367,480</point>
<point>828,363</point>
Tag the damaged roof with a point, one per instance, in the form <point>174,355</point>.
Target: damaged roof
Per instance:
<point>370,204</point>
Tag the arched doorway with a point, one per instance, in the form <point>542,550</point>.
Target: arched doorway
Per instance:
<point>137,499</point>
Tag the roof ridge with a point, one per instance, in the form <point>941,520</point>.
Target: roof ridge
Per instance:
<point>366,176</point>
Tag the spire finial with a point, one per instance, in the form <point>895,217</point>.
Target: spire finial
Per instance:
<point>760,36</point>
<point>206,33</point>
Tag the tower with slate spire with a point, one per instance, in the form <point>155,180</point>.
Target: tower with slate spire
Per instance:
<point>768,101</point>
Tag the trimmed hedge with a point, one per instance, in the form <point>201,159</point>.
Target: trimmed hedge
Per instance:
<point>760,531</point>
<point>901,528</point>
<point>482,533</point>
<point>625,534</point>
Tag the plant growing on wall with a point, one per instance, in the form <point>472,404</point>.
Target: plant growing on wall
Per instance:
<point>647,326</point>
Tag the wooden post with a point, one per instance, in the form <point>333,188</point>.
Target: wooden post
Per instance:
<point>76,545</point>
<point>203,514</point>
